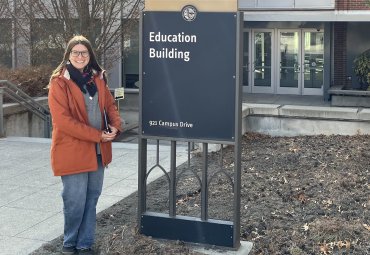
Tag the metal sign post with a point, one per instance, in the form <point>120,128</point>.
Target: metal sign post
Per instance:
<point>191,85</point>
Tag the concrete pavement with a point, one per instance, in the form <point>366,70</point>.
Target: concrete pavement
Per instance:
<point>31,210</point>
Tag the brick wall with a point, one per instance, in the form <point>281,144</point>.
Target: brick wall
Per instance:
<point>352,4</point>
<point>340,53</point>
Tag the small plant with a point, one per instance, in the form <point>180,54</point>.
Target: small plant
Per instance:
<point>362,68</point>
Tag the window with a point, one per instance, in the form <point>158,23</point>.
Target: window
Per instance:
<point>130,62</point>
<point>94,30</point>
<point>46,42</point>
<point>6,42</point>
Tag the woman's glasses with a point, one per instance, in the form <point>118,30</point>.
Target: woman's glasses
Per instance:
<point>75,53</point>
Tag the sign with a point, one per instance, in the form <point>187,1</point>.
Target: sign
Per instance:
<point>119,93</point>
<point>189,74</point>
<point>190,88</point>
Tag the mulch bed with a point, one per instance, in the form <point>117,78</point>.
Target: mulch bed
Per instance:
<point>300,195</point>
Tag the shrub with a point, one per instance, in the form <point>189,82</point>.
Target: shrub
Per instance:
<point>362,68</point>
<point>32,80</point>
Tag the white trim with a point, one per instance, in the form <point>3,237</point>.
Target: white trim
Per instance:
<point>277,15</point>
<point>310,91</point>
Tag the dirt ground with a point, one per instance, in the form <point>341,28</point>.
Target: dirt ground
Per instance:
<point>299,195</point>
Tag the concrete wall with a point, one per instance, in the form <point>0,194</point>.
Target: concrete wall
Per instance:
<point>18,121</point>
<point>297,127</point>
<point>289,120</point>
<point>276,120</point>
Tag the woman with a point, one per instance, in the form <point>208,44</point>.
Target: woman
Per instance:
<point>80,149</point>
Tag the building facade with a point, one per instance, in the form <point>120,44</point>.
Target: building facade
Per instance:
<point>303,47</point>
<point>300,47</point>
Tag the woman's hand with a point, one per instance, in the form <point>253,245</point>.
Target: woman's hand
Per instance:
<point>114,130</point>
<point>108,137</point>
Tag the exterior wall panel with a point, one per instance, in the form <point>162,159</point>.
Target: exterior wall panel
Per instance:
<point>340,54</point>
<point>287,4</point>
<point>315,4</point>
<point>275,4</point>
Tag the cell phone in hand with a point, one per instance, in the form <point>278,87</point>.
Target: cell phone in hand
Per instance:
<point>106,122</point>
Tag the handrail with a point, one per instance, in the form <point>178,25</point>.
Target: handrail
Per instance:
<point>18,95</point>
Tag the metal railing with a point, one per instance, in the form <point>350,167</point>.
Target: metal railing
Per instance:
<point>16,94</point>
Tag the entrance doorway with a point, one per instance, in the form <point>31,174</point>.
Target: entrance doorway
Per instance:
<point>283,61</point>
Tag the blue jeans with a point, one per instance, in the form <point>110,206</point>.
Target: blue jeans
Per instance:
<point>80,196</point>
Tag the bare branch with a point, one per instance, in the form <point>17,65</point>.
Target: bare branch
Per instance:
<point>103,22</point>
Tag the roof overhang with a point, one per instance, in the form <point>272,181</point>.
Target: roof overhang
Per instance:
<point>332,16</point>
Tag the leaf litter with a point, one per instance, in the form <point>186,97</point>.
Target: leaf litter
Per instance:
<point>299,195</point>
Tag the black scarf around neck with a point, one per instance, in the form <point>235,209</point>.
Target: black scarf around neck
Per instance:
<point>83,80</point>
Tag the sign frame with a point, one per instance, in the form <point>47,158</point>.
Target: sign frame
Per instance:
<point>148,221</point>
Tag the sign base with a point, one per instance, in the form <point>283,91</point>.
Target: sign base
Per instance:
<point>187,229</point>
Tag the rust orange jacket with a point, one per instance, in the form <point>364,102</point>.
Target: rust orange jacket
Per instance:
<point>73,146</point>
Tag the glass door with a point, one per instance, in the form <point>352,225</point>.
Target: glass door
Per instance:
<point>262,62</point>
<point>313,52</point>
<point>283,61</point>
<point>290,62</point>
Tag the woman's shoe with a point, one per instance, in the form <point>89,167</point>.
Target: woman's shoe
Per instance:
<point>69,250</point>
<point>87,251</point>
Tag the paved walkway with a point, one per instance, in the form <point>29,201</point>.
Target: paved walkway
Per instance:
<point>30,202</point>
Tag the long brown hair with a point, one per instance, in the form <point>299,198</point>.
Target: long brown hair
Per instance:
<point>78,39</point>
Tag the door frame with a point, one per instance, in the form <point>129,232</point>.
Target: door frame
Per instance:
<point>258,89</point>
<point>287,90</point>
<point>312,91</point>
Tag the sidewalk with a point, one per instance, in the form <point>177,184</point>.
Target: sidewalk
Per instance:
<point>30,202</point>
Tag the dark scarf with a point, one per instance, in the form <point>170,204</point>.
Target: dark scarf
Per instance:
<point>83,80</point>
